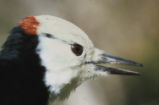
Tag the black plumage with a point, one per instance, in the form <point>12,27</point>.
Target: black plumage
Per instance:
<point>21,75</point>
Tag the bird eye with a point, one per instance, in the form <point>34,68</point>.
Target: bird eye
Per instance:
<point>77,49</point>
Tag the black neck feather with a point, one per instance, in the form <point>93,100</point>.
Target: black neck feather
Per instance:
<point>23,80</point>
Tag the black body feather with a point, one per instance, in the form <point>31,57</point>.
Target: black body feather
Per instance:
<point>21,75</point>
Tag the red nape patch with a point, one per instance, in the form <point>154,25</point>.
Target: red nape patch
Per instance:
<point>29,24</point>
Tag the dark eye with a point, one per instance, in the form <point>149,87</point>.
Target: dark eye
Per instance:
<point>48,35</point>
<point>77,49</point>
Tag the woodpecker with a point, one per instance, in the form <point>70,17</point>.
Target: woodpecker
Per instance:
<point>45,57</point>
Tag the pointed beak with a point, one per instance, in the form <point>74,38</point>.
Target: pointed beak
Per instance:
<point>108,59</point>
<point>116,60</point>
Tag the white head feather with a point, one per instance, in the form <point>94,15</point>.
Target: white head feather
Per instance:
<point>61,63</point>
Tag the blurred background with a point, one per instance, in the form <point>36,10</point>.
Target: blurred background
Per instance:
<point>124,28</point>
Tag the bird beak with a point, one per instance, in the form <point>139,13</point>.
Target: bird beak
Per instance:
<point>108,59</point>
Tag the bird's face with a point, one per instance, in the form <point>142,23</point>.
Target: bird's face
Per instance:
<point>67,53</point>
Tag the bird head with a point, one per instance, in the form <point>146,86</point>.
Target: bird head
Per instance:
<point>67,53</point>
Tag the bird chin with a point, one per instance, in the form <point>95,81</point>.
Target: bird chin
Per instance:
<point>66,90</point>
